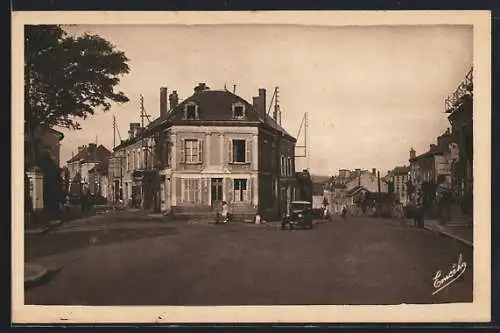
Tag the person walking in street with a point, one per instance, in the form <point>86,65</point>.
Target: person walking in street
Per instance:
<point>419,211</point>
<point>344,212</point>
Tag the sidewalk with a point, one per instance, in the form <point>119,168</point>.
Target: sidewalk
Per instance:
<point>462,232</point>
<point>35,273</point>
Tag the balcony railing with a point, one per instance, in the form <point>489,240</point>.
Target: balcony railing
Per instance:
<point>456,99</point>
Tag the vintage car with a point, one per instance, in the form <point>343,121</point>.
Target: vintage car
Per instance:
<point>299,216</point>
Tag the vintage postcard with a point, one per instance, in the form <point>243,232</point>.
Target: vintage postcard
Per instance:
<point>251,167</point>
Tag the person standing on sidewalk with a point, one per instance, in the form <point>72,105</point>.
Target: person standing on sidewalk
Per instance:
<point>225,212</point>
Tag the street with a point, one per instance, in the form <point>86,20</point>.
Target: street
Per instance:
<point>353,261</point>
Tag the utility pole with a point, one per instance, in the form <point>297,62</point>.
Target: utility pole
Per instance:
<point>378,180</point>
<point>305,139</point>
<point>277,111</point>
<point>234,89</point>
<point>114,132</point>
<point>141,101</point>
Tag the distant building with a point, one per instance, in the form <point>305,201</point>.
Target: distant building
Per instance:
<point>88,168</point>
<point>436,162</point>
<point>399,177</point>
<point>318,195</point>
<point>343,190</point>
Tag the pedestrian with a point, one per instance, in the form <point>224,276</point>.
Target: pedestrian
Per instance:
<point>419,211</point>
<point>344,212</point>
<point>444,203</point>
<point>225,212</point>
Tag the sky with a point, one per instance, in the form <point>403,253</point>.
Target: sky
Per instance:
<point>371,93</point>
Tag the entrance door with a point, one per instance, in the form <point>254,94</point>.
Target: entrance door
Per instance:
<point>216,193</point>
<point>117,190</point>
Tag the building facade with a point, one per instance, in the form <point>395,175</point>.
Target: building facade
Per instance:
<point>212,147</point>
<point>399,177</point>
<point>459,106</point>
<point>41,146</point>
<point>88,169</point>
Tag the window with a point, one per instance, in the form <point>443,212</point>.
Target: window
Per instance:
<point>191,191</point>
<point>240,190</point>
<point>239,151</point>
<point>238,111</point>
<point>283,167</point>
<point>191,111</point>
<point>191,151</point>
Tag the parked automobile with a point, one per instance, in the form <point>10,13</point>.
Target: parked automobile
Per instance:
<point>300,216</point>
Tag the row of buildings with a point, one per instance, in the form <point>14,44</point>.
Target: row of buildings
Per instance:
<point>448,162</point>
<point>214,146</point>
<point>350,187</point>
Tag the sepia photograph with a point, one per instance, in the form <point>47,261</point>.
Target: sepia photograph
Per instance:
<point>282,167</point>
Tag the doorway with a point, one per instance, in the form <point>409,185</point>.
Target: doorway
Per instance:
<point>216,193</point>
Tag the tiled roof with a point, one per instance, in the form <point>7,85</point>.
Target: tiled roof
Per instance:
<point>355,190</point>
<point>92,153</point>
<point>400,170</point>
<point>435,150</point>
<point>216,105</point>
<point>318,188</point>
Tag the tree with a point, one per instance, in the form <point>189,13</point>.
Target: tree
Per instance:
<point>67,78</point>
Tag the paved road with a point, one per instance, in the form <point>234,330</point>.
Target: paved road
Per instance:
<point>356,261</point>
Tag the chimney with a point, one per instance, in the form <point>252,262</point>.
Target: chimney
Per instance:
<point>200,87</point>
<point>255,103</point>
<point>373,171</point>
<point>413,154</point>
<point>163,101</point>
<point>173,99</point>
<point>262,102</point>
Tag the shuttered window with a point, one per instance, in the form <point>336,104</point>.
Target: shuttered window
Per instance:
<point>192,191</point>
<point>240,151</point>
<point>193,151</point>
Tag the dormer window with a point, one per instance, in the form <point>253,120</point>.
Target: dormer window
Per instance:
<point>238,111</point>
<point>191,111</point>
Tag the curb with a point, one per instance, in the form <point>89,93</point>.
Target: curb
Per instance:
<point>445,233</point>
<point>460,239</point>
<point>40,273</point>
<point>43,274</point>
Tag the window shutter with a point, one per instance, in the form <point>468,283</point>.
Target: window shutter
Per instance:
<point>183,151</point>
<point>229,189</point>
<point>230,150</point>
<point>249,190</point>
<point>248,147</point>
<point>200,151</point>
